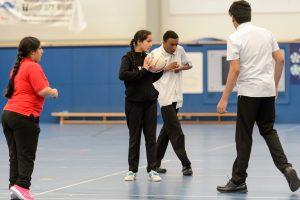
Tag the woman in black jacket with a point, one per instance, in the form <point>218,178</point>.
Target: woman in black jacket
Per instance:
<point>140,103</point>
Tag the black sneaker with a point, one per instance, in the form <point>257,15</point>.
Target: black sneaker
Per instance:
<point>161,170</point>
<point>292,178</point>
<point>231,187</point>
<point>187,171</point>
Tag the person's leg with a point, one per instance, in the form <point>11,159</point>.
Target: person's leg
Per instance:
<point>26,133</point>
<point>134,113</point>
<point>246,115</point>
<point>149,129</point>
<point>265,121</point>
<point>11,143</point>
<point>162,144</point>
<point>173,129</point>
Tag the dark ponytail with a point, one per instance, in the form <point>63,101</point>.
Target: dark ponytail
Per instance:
<point>132,45</point>
<point>10,85</point>
<point>141,35</point>
<point>26,46</point>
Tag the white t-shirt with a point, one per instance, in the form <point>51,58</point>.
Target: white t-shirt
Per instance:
<point>169,85</point>
<point>253,46</point>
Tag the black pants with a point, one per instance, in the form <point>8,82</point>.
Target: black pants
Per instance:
<point>21,133</point>
<point>141,117</point>
<point>171,131</point>
<point>262,111</point>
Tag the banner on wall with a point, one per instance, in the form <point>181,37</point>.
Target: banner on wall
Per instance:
<point>53,12</point>
<point>295,63</point>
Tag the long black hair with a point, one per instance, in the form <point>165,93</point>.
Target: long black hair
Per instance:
<point>26,46</point>
<point>141,35</point>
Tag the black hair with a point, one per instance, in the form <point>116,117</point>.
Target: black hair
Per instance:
<point>240,11</point>
<point>26,46</point>
<point>170,34</point>
<point>140,35</point>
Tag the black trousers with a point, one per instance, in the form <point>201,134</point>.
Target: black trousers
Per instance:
<point>21,133</point>
<point>141,117</point>
<point>262,111</point>
<point>171,131</point>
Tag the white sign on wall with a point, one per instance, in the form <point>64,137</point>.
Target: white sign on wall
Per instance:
<point>217,71</point>
<point>54,12</point>
<point>193,78</point>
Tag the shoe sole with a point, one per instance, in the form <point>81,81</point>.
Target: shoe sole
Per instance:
<point>154,180</point>
<point>188,174</point>
<point>233,191</point>
<point>293,180</point>
<point>17,194</point>
<point>129,179</point>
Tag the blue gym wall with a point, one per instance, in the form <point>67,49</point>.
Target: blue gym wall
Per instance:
<point>87,79</point>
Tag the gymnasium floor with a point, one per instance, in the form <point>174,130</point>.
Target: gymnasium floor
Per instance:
<point>89,162</point>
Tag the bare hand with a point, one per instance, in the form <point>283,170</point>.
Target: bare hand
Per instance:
<point>177,70</point>
<point>54,93</point>
<point>147,62</point>
<point>171,66</point>
<point>152,68</point>
<point>222,106</point>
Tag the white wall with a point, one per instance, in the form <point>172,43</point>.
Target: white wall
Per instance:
<point>106,20</point>
<point>117,20</point>
<point>212,19</point>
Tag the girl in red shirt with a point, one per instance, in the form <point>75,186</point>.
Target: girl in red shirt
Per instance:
<point>26,92</point>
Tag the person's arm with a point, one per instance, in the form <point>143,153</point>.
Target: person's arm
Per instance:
<point>186,63</point>
<point>48,91</point>
<point>157,76</point>
<point>279,66</point>
<point>230,84</point>
<point>125,74</point>
<point>233,56</point>
<point>184,67</point>
<point>279,61</point>
<point>39,82</point>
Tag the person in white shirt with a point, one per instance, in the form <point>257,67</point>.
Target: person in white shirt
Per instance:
<point>250,51</point>
<point>170,99</point>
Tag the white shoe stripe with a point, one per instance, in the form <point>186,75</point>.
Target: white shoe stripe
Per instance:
<point>17,193</point>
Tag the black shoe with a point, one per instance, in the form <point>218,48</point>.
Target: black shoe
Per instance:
<point>187,171</point>
<point>292,178</point>
<point>161,170</point>
<point>231,187</point>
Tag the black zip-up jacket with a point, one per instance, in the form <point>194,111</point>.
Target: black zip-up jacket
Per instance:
<point>138,81</point>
